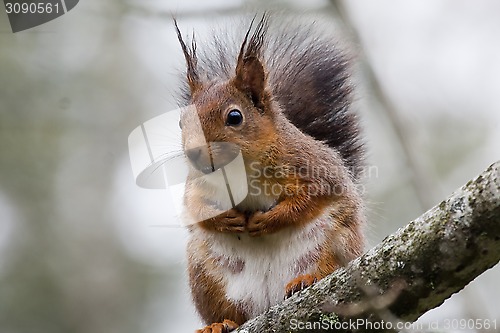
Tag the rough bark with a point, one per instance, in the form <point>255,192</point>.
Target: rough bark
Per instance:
<point>411,271</point>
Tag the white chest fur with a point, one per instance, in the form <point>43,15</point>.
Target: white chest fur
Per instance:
<point>255,270</point>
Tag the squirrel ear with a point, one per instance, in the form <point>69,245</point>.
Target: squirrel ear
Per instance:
<point>193,78</point>
<point>250,73</point>
<point>251,79</point>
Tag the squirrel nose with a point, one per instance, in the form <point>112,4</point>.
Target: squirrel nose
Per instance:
<point>200,159</point>
<point>193,154</point>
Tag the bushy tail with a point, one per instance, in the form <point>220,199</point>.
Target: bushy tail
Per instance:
<point>310,78</point>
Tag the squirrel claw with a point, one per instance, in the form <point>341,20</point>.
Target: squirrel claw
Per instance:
<point>257,224</point>
<point>232,221</point>
<point>299,283</point>
<point>225,327</point>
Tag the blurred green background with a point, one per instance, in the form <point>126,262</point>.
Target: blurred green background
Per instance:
<point>83,249</point>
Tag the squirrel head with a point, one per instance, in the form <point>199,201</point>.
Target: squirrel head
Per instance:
<point>235,114</point>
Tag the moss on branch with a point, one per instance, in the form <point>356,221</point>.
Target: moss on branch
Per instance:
<point>410,272</point>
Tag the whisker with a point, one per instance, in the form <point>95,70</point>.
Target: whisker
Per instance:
<point>170,226</point>
<point>165,160</point>
<point>174,154</point>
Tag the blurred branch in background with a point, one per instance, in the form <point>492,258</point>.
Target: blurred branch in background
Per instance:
<point>63,121</point>
<point>78,253</point>
<point>422,179</point>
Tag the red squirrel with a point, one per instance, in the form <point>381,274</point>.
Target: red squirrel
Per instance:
<point>283,97</point>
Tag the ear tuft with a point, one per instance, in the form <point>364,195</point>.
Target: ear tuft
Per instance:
<point>192,76</point>
<point>250,72</point>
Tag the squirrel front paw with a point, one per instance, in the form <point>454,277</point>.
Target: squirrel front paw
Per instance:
<point>224,327</point>
<point>258,224</point>
<point>231,221</point>
<point>299,284</point>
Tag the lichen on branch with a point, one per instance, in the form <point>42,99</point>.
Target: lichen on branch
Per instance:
<point>410,272</point>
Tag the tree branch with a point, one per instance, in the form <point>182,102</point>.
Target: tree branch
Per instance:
<point>411,271</point>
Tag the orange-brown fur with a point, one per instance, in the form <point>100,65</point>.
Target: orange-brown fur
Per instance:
<point>269,140</point>
<point>209,294</point>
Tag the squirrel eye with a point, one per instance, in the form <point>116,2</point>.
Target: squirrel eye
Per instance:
<point>234,118</point>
